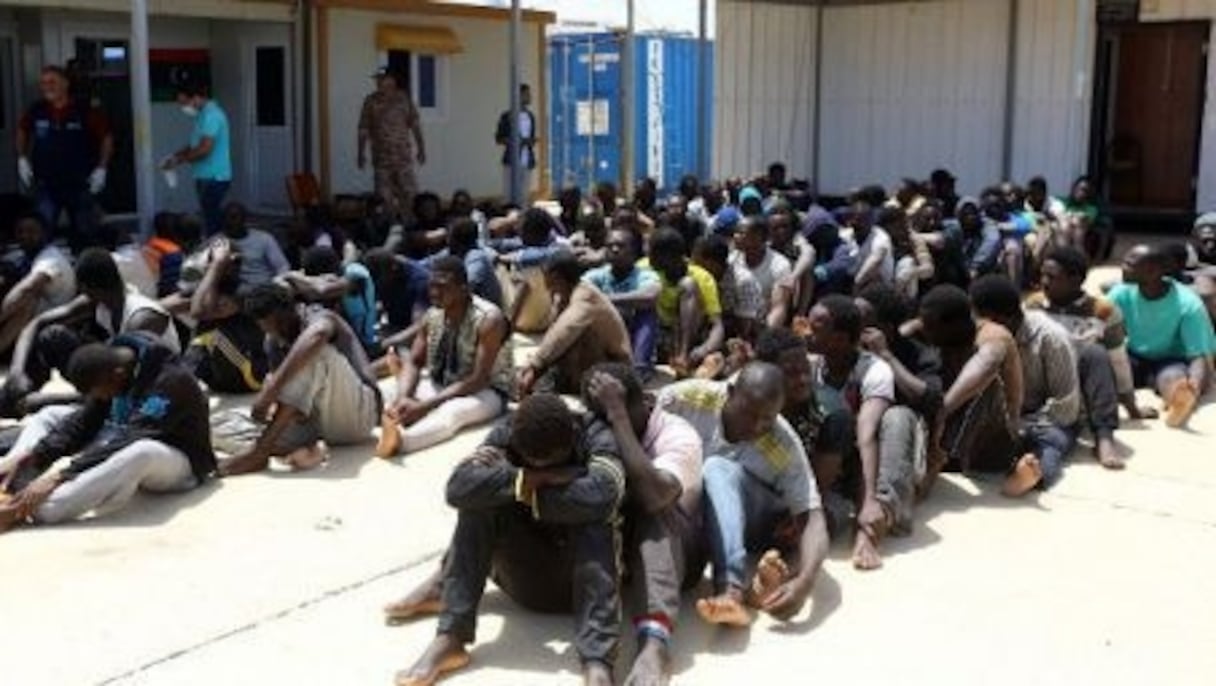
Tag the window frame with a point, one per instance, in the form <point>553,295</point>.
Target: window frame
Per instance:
<point>438,112</point>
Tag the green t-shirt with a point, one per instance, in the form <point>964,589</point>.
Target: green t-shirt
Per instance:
<point>1175,327</point>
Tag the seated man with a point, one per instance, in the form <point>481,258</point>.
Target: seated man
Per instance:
<point>1051,396</point>
<point>536,505</point>
<point>664,544</point>
<point>769,267</point>
<point>1169,333</point>
<point>261,257</point>
<point>866,452</point>
<point>348,289</point>
<point>401,285</point>
<point>690,314</point>
<point>463,237</point>
<point>589,242</point>
<point>102,301</point>
<point>587,330</point>
<point>1201,261</point>
<point>319,388</point>
<point>1100,342</point>
<point>976,429</point>
<point>785,238</point>
<point>633,289</point>
<point>143,425</point>
<point>228,350</point>
<point>759,495</point>
<point>743,305</point>
<point>465,345</point>
<point>918,375</point>
<point>524,256</point>
<point>875,253</point>
<point>48,283</point>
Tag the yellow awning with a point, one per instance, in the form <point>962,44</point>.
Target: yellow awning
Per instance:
<point>428,40</point>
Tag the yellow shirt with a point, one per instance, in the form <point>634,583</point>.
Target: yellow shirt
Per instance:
<point>668,303</point>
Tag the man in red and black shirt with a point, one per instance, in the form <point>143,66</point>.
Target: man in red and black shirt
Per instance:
<point>63,148</point>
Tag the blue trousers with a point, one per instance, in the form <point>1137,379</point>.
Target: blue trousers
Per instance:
<point>741,517</point>
<point>1051,444</point>
<point>211,203</point>
<point>79,206</point>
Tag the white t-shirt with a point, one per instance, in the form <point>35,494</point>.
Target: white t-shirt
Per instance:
<point>133,267</point>
<point>132,303</point>
<point>55,265</point>
<point>771,269</point>
<point>878,242</point>
<point>871,378</point>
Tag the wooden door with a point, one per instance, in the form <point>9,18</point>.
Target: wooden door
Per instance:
<point>1153,151</point>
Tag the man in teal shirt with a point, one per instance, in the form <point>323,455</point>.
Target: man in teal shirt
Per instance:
<point>1170,338</point>
<point>208,153</point>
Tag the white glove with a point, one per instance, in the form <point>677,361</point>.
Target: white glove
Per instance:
<point>26,171</point>
<point>97,180</point>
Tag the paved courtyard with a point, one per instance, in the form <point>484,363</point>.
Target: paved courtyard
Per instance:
<point>279,579</point>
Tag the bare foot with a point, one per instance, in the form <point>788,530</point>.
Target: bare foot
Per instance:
<point>771,572</point>
<point>1137,412</point>
<point>392,359</point>
<point>248,463</point>
<point>727,608</point>
<point>445,654</point>
<point>308,457</point>
<point>596,674</point>
<point>652,666</point>
<point>8,514</point>
<point>865,552</point>
<point>1180,403</point>
<point>712,366</point>
<point>425,600</point>
<point>1025,476</point>
<point>1108,455</point>
<point>390,437</point>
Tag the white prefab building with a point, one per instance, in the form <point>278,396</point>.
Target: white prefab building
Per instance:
<point>851,92</point>
<point>291,75</point>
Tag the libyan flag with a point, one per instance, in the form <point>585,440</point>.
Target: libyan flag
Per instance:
<point>168,68</point>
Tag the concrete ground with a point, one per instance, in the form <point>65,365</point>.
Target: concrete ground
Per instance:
<point>279,579</point>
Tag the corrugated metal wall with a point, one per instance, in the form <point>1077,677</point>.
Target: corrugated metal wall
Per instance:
<point>764,88</point>
<point>910,87</point>
<point>1052,102</point>
<point>907,87</point>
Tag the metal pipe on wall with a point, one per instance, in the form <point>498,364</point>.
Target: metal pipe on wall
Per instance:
<point>704,84</point>
<point>306,77</point>
<point>816,107</point>
<point>1011,89</point>
<point>628,102</point>
<point>141,124</point>
<point>516,171</point>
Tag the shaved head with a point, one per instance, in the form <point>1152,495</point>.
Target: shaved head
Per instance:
<point>755,401</point>
<point>760,380</point>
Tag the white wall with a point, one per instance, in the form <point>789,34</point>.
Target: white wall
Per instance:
<point>911,87</point>
<point>1176,10</point>
<point>1052,105</point>
<point>764,89</point>
<point>460,147</point>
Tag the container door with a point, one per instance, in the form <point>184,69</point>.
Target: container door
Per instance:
<point>271,141</point>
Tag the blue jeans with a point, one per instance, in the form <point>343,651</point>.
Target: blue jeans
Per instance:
<point>644,335</point>
<point>78,204</point>
<point>211,202</point>
<point>741,516</point>
<point>1051,444</point>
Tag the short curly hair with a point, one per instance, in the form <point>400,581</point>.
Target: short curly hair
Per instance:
<point>543,430</point>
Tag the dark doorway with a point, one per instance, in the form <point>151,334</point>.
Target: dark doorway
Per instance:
<point>1148,109</point>
<point>101,74</point>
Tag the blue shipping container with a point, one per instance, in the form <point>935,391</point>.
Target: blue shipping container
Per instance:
<point>586,112</point>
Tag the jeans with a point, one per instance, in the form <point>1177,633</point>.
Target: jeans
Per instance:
<point>665,554</point>
<point>1098,389</point>
<point>741,516</point>
<point>211,203</point>
<point>78,203</point>
<point>543,567</point>
<point>643,328</point>
<point>1051,444</point>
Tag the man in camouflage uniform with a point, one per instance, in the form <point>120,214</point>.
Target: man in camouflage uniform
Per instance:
<point>387,121</point>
